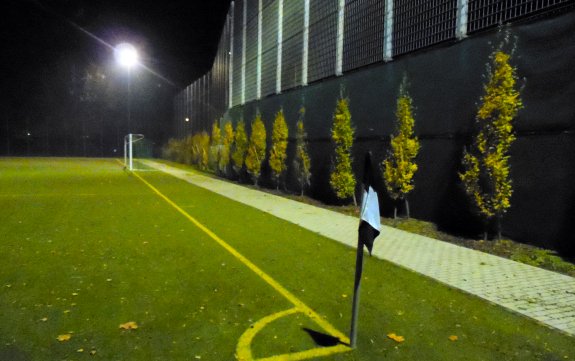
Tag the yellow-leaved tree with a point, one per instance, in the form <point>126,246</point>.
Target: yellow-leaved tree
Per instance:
<point>200,149</point>
<point>486,175</point>
<point>215,146</point>
<point>399,167</point>
<point>227,141</point>
<point>256,149</point>
<point>240,147</point>
<point>278,152</point>
<point>187,150</point>
<point>341,179</point>
<point>302,161</point>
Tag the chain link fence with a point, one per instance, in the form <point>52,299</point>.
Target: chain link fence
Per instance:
<point>272,46</point>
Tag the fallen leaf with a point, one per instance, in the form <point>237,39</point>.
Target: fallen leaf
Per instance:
<point>129,325</point>
<point>44,319</point>
<point>80,350</point>
<point>93,352</point>
<point>64,338</point>
<point>396,338</point>
<point>344,295</point>
<point>453,338</point>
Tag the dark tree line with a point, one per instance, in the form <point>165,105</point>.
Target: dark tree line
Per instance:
<point>74,107</point>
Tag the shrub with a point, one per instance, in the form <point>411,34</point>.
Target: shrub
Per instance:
<point>399,167</point>
<point>342,180</point>
<point>302,162</point>
<point>257,149</point>
<point>278,153</point>
<point>227,141</point>
<point>486,175</point>
<point>200,149</point>
<point>240,147</point>
<point>215,147</point>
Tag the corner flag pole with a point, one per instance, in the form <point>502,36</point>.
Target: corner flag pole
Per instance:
<point>356,289</point>
<point>369,228</point>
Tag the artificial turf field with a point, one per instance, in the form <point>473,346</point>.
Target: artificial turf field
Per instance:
<point>86,246</point>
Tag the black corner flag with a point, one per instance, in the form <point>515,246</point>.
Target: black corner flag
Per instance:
<point>369,226</point>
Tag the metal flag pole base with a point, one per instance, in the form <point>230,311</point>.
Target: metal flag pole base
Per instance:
<point>356,291</point>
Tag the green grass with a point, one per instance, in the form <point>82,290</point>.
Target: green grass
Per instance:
<point>88,247</point>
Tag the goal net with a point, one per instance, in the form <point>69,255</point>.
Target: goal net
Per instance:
<point>136,148</point>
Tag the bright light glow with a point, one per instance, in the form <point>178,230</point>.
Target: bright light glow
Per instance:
<point>126,55</point>
<point>187,119</point>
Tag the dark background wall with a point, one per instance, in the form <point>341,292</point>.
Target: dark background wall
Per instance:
<point>446,84</point>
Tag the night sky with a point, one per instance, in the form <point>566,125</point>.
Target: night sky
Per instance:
<point>50,45</point>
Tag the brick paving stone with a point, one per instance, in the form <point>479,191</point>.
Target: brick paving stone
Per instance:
<point>546,296</point>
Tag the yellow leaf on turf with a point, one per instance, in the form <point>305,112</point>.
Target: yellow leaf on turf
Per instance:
<point>129,325</point>
<point>64,338</point>
<point>396,338</point>
<point>453,338</point>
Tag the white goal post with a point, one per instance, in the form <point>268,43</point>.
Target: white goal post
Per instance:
<point>129,141</point>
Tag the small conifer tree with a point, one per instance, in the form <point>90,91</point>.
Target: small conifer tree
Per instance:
<point>278,153</point>
<point>486,175</point>
<point>240,147</point>
<point>170,150</point>
<point>215,146</point>
<point>342,180</point>
<point>302,162</point>
<point>203,150</point>
<point>187,150</point>
<point>227,141</point>
<point>399,167</point>
<point>257,149</point>
<point>195,148</point>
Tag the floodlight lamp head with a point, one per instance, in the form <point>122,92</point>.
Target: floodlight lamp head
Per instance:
<point>126,55</point>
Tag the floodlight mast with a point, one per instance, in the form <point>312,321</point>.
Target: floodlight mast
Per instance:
<point>127,56</point>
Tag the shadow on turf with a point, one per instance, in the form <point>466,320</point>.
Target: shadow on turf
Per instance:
<point>322,339</point>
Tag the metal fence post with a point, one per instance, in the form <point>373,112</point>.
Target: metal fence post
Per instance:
<point>305,51</point>
<point>279,44</point>
<point>388,31</point>
<point>259,65</point>
<point>231,65</point>
<point>244,30</point>
<point>461,24</point>
<point>339,40</point>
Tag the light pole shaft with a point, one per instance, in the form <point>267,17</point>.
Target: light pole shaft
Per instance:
<point>129,101</point>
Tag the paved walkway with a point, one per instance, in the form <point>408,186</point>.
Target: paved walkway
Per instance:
<point>546,296</point>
